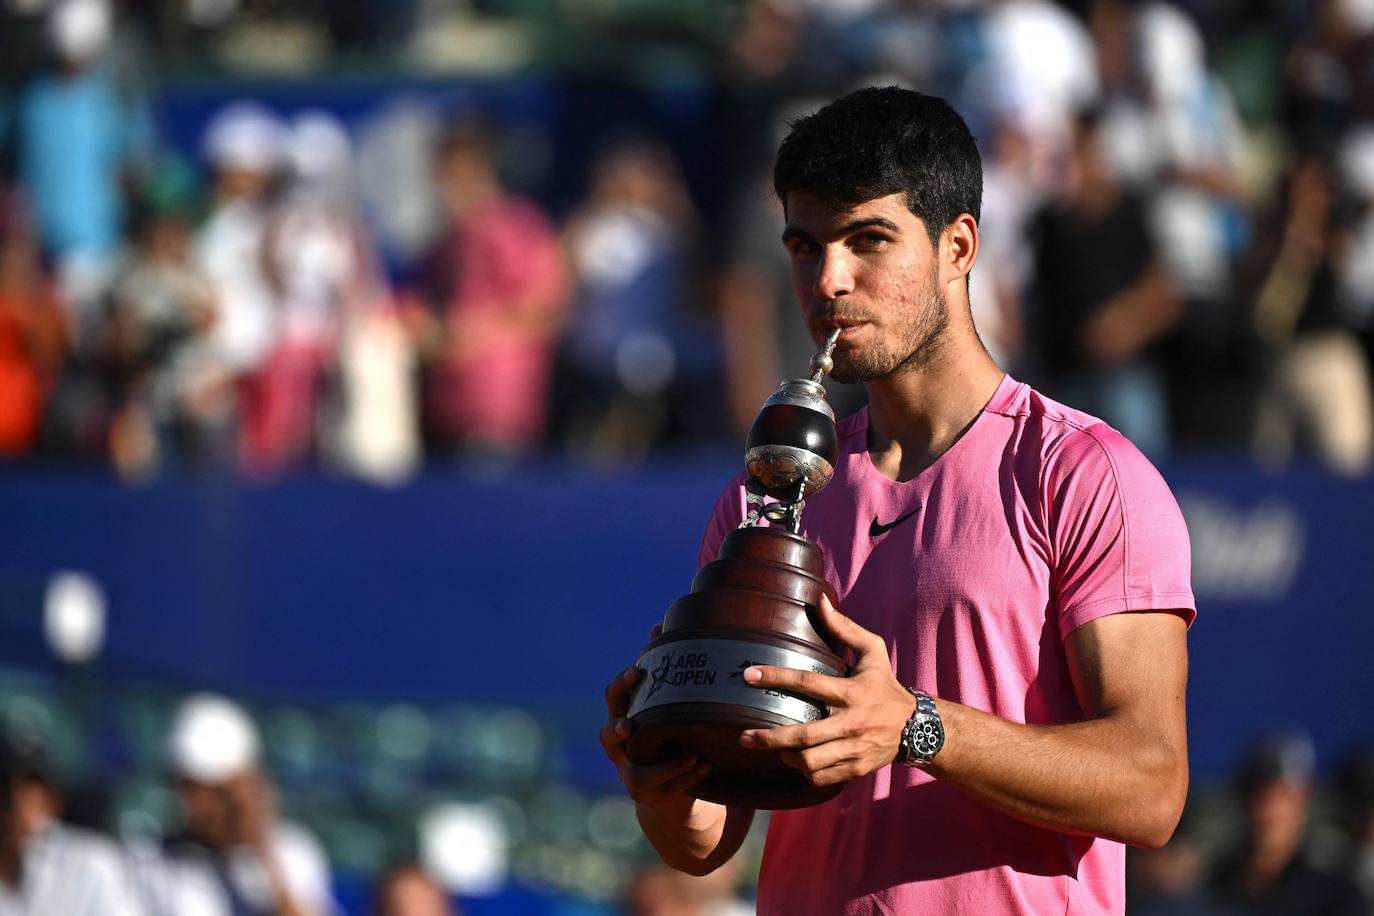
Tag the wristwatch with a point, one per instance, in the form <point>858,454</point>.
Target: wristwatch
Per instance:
<point>924,733</point>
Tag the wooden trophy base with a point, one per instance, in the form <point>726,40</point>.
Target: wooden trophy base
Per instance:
<point>757,604</point>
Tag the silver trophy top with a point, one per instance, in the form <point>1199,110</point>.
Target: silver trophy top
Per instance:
<point>791,449</point>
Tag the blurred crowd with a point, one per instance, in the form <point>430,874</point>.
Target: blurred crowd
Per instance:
<point>1178,233</point>
<point>1277,840</point>
<point>230,846</point>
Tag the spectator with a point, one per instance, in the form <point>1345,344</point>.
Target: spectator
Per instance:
<point>46,867</point>
<point>176,399</point>
<point>1173,137</point>
<point>1355,798</point>
<point>624,348</point>
<point>32,339</point>
<point>1317,395</point>
<point>234,857</point>
<point>78,139</point>
<point>497,293</point>
<point>245,145</point>
<point>344,354</point>
<point>1172,880</point>
<point>408,890</point>
<point>320,264</point>
<point>1042,69</point>
<point>1329,81</point>
<point>1274,871</point>
<point>1103,298</point>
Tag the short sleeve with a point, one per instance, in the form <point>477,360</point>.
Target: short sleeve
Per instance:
<point>1118,539</point>
<point>305,869</point>
<point>726,517</point>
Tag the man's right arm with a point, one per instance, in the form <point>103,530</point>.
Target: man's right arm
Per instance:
<point>689,834</point>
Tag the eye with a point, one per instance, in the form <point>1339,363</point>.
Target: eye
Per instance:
<point>869,241</point>
<point>802,248</point>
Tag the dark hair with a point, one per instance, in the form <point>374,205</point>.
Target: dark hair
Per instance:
<point>22,757</point>
<point>876,142</point>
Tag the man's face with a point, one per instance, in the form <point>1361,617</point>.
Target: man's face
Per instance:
<point>223,814</point>
<point>871,271</point>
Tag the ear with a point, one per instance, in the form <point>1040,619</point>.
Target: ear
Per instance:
<point>958,249</point>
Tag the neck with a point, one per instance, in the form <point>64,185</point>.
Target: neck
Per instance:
<point>916,415</point>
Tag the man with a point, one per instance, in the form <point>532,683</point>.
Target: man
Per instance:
<point>497,292</point>
<point>235,857</point>
<point>986,544</point>
<point>1280,867</point>
<point>47,867</point>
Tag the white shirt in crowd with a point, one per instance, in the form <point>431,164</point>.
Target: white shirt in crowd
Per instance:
<point>184,879</point>
<point>72,872</point>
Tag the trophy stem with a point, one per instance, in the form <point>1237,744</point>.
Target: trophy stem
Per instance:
<point>822,363</point>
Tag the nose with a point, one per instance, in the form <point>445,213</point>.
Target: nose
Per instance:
<point>834,274</point>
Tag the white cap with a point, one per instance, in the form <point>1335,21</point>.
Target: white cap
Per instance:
<point>245,136</point>
<point>212,739</point>
<point>318,146</point>
<point>80,29</point>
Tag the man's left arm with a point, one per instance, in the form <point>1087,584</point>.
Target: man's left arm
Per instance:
<point>1122,773</point>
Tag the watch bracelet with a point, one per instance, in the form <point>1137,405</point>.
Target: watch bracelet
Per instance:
<point>925,705</point>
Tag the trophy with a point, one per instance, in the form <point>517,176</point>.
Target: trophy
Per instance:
<point>755,605</point>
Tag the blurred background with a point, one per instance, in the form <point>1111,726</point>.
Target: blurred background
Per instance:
<point>368,371</point>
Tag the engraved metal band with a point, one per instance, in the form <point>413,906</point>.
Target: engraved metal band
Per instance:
<point>766,462</point>
<point>712,671</point>
<point>802,392</point>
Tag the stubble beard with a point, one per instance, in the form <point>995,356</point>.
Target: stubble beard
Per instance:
<point>918,338</point>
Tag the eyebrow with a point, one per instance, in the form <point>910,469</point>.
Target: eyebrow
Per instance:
<point>872,222</point>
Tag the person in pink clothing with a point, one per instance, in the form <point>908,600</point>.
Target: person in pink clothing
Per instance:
<point>498,291</point>
<point>1014,577</point>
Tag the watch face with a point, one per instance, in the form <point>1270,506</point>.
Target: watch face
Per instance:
<point>927,736</point>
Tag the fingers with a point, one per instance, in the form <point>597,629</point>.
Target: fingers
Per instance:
<point>655,631</point>
<point>826,756</point>
<point>793,737</point>
<point>843,772</point>
<point>850,633</point>
<point>823,687</point>
<point>614,734</point>
<point>618,692</point>
<point>662,781</point>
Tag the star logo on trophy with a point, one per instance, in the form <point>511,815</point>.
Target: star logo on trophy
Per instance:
<point>660,673</point>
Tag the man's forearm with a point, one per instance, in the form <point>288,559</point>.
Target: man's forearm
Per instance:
<point>696,836</point>
<point>1103,777</point>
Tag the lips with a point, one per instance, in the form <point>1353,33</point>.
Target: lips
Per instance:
<point>847,326</point>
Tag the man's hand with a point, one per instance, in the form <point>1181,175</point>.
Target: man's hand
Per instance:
<point>868,710</point>
<point>657,784</point>
<point>252,801</point>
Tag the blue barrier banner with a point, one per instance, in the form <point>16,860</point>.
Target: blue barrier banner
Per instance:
<point>538,586</point>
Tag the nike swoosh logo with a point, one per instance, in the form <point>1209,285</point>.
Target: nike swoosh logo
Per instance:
<point>875,529</point>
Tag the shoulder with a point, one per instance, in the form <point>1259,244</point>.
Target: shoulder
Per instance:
<point>1079,461</point>
<point>1060,437</point>
<point>92,865</point>
<point>89,847</point>
<point>299,852</point>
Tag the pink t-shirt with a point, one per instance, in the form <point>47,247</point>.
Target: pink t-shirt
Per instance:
<point>505,252</point>
<point>1038,520</point>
